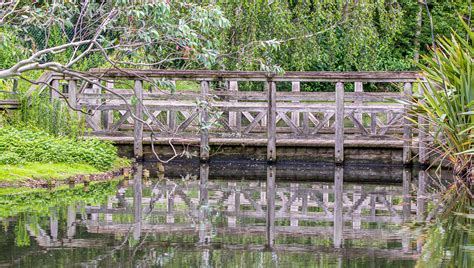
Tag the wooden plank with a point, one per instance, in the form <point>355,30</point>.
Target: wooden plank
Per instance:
<point>271,122</point>
<point>358,124</point>
<point>290,123</point>
<point>373,123</point>
<point>322,123</point>
<point>122,120</point>
<point>339,124</point>
<point>251,96</point>
<point>187,122</point>
<point>254,123</point>
<point>138,125</point>
<point>253,106</point>
<point>407,131</point>
<point>295,116</point>
<point>210,75</point>
<point>204,146</point>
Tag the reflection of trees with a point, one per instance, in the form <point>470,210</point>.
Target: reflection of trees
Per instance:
<point>209,215</point>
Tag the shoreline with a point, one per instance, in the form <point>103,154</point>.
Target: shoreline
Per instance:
<point>71,180</point>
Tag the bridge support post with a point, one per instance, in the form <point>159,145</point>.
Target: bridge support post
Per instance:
<point>407,131</point>
<point>204,147</point>
<point>138,125</point>
<point>271,124</point>
<point>339,125</point>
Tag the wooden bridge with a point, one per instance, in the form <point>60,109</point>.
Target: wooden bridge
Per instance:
<point>213,109</point>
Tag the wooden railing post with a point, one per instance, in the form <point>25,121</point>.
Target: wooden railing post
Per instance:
<point>108,115</point>
<point>204,148</point>
<point>172,113</point>
<point>138,125</point>
<point>97,114</point>
<point>72,93</point>
<point>423,129</point>
<point>358,87</point>
<point>339,124</point>
<point>54,90</point>
<point>295,116</point>
<point>234,117</point>
<point>407,131</point>
<point>271,124</point>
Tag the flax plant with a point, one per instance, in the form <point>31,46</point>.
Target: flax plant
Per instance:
<point>447,106</point>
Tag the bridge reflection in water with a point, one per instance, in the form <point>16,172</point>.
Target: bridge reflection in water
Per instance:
<point>195,212</point>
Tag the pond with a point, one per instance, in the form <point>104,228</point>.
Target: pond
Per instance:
<point>219,216</point>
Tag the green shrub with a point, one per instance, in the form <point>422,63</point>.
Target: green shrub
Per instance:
<point>20,145</point>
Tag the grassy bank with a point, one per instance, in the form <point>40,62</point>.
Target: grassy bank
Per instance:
<point>28,155</point>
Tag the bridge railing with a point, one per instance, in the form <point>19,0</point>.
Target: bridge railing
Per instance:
<point>275,112</point>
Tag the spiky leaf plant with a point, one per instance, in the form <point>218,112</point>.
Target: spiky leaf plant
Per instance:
<point>447,105</point>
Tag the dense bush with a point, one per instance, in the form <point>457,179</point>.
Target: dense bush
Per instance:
<point>20,145</point>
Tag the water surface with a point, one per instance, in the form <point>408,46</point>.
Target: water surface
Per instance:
<point>218,217</point>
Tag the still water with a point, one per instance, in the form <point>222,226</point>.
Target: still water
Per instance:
<point>218,217</point>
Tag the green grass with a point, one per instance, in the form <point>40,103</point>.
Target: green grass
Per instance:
<point>51,171</point>
<point>45,171</point>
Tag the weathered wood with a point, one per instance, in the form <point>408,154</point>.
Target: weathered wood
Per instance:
<point>138,125</point>
<point>172,114</point>
<point>204,146</point>
<point>358,88</point>
<point>271,122</point>
<point>55,90</point>
<point>407,131</point>
<point>9,104</point>
<point>295,116</point>
<point>339,124</point>
<point>251,96</point>
<point>72,94</point>
<point>108,116</point>
<point>234,117</point>
<point>259,76</point>
<point>373,123</point>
